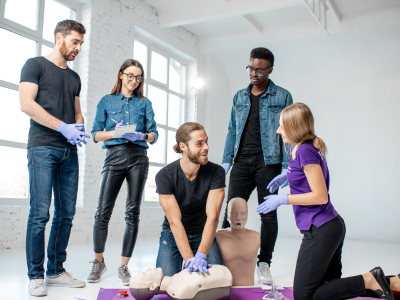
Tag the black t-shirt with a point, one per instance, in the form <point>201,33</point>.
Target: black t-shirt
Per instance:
<point>190,195</point>
<point>57,89</point>
<point>250,143</point>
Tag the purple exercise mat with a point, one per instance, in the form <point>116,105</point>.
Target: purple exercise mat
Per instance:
<point>236,294</point>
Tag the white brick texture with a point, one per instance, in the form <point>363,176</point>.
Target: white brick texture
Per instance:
<point>108,42</point>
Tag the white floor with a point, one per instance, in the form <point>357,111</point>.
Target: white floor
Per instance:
<point>358,257</point>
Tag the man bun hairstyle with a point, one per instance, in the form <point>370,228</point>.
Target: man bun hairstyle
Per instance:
<point>183,134</point>
<point>66,26</point>
<point>262,53</point>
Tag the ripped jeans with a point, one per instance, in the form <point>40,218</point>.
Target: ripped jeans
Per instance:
<point>170,260</point>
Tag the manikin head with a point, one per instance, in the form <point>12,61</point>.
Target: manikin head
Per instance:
<point>146,284</point>
<point>237,213</point>
<point>68,36</point>
<point>192,141</point>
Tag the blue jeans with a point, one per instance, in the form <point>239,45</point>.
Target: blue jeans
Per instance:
<point>170,260</point>
<point>50,168</point>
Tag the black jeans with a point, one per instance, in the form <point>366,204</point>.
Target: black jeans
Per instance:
<point>249,172</point>
<point>319,266</point>
<point>122,161</point>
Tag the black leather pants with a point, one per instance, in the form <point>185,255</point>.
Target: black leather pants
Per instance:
<point>122,161</point>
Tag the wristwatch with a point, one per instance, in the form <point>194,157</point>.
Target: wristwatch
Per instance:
<point>146,137</point>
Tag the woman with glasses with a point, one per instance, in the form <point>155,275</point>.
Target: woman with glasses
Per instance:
<point>126,158</point>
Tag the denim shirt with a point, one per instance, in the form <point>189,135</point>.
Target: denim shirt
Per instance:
<point>272,102</point>
<point>131,110</point>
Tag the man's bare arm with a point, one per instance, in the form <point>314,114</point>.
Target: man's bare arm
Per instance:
<point>213,208</point>
<point>174,216</point>
<point>27,95</point>
<point>78,112</point>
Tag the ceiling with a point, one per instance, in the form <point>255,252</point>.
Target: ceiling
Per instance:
<point>223,23</point>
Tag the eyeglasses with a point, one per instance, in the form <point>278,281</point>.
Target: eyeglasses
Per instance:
<point>259,72</point>
<point>131,77</point>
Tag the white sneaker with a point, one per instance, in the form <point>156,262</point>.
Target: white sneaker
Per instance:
<point>264,273</point>
<point>64,279</point>
<point>37,288</point>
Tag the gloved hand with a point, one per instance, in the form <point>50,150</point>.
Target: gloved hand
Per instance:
<point>120,123</point>
<point>198,263</point>
<point>226,167</point>
<point>136,136</point>
<point>278,181</point>
<point>80,127</point>
<point>272,202</point>
<point>72,133</point>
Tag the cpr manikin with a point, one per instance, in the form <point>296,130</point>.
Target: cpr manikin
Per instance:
<point>238,245</point>
<point>214,285</point>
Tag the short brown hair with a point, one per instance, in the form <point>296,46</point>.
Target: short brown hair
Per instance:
<point>183,134</point>
<point>118,84</point>
<point>66,26</point>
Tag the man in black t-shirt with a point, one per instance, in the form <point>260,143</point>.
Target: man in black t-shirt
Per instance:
<point>191,192</point>
<point>49,95</point>
<point>255,149</point>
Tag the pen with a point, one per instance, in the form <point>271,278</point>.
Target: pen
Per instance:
<point>114,120</point>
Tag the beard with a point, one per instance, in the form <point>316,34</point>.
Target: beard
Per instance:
<point>196,158</point>
<point>66,53</point>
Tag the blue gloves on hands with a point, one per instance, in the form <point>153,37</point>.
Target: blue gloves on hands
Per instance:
<point>279,181</point>
<point>226,167</point>
<point>271,203</point>
<point>136,136</point>
<point>120,124</point>
<point>198,263</point>
<point>74,133</point>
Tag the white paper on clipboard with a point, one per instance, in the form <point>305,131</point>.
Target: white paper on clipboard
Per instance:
<point>121,130</point>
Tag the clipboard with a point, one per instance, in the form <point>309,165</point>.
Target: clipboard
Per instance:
<point>121,130</point>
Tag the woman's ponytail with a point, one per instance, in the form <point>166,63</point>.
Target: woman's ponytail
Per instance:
<point>320,145</point>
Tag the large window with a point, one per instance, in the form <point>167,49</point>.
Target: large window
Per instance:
<point>26,30</point>
<point>165,88</point>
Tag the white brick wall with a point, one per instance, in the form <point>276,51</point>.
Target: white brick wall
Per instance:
<point>108,42</point>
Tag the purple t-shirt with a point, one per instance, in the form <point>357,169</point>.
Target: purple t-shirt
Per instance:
<point>307,215</point>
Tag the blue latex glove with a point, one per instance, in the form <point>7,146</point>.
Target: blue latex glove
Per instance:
<point>72,133</point>
<point>136,136</point>
<point>278,181</point>
<point>272,202</point>
<point>120,123</point>
<point>80,127</point>
<point>226,167</point>
<point>198,263</point>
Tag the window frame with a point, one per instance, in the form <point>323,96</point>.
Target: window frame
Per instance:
<point>35,35</point>
<point>165,87</point>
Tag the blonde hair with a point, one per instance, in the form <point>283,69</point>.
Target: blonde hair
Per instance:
<point>298,125</point>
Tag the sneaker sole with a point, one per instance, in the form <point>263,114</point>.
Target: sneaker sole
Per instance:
<point>101,274</point>
<point>66,285</point>
<point>38,295</point>
<point>123,283</point>
<point>267,282</point>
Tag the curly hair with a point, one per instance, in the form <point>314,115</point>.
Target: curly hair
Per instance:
<point>262,53</point>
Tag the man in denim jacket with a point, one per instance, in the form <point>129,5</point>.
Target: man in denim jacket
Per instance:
<point>255,148</point>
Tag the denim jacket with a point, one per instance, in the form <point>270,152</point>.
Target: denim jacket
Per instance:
<point>271,104</point>
<point>131,110</point>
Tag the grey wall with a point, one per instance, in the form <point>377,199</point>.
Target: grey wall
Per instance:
<point>351,82</point>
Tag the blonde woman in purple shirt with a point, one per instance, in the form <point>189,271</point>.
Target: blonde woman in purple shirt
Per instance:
<point>319,267</point>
